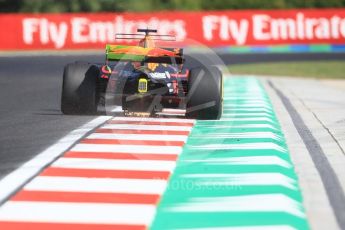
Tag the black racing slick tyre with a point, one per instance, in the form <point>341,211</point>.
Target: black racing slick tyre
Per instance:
<point>79,89</point>
<point>205,94</point>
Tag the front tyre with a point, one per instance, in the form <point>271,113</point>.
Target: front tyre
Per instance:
<point>204,98</point>
<point>79,89</point>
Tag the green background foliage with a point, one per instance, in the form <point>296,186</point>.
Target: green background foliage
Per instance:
<point>38,6</point>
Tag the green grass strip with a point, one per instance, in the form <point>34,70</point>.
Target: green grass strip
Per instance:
<point>311,69</point>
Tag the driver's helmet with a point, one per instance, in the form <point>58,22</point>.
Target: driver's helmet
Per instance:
<point>147,42</point>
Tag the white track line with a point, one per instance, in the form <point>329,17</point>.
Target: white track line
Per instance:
<point>254,146</point>
<point>247,227</point>
<point>255,160</point>
<point>249,114</point>
<point>147,127</point>
<point>249,119</point>
<point>17,178</point>
<point>251,135</point>
<point>143,119</point>
<point>243,179</point>
<point>81,184</point>
<point>87,163</point>
<point>247,203</point>
<point>253,126</point>
<point>142,137</point>
<point>257,109</point>
<point>137,149</point>
<point>86,213</point>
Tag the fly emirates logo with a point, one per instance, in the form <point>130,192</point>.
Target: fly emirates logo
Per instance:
<point>82,30</point>
<point>217,29</point>
<point>264,28</point>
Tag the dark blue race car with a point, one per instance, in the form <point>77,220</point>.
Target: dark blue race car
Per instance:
<point>143,79</point>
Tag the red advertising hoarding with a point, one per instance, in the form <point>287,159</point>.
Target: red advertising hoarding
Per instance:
<point>212,28</point>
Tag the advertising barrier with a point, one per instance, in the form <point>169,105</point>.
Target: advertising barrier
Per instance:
<point>210,28</point>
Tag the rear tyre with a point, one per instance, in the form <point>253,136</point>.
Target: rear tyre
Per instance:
<point>79,89</point>
<point>204,98</point>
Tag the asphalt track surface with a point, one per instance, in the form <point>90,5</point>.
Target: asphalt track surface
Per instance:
<point>30,93</point>
<point>30,115</point>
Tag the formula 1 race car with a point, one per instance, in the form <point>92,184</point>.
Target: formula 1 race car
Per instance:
<point>143,79</point>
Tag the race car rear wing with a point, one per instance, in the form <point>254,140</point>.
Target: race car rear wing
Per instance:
<point>141,54</point>
<point>143,33</point>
